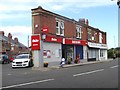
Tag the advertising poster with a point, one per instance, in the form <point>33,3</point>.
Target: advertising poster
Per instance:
<point>46,54</point>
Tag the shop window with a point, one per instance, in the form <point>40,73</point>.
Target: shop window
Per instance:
<point>78,31</point>
<point>89,34</point>
<point>101,53</point>
<point>59,27</point>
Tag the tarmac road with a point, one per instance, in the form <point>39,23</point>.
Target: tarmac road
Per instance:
<point>99,75</point>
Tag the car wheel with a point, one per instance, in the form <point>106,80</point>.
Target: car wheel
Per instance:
<point>13,67</point>
<point>8,61</point>
<point>2,62</point>
<point>30,63</point>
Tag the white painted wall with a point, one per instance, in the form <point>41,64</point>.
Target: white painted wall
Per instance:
<point>55,53</point>
<point>84,52</point>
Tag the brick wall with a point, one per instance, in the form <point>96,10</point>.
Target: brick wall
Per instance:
<point>70,29</point>
<point>44,18</point>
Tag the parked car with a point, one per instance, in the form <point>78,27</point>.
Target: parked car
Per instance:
<point>22,60</point>
<point>12,58</point>
<point>4,59</point>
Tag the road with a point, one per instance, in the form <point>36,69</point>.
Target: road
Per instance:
<point>99,75</point>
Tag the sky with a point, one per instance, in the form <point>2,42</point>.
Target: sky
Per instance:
<point>15,16</point>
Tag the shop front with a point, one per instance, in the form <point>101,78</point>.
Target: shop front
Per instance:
<point>73,49</point>
<point>52,50</point>
<point>68,52</point>
<point>97,51</point>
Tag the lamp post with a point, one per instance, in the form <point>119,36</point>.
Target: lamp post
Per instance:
<point>118,3</point>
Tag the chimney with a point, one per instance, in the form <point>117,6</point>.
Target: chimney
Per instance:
<point>2,33</point>
<point>87,22</point>
<point>10,35</point>
<point>82,20</point>
<point>16,40</point>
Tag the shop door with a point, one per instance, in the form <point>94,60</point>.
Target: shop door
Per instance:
<point>79,50</point>
<point>69,52</point>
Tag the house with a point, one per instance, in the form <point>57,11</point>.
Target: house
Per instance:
<point>11,47</point>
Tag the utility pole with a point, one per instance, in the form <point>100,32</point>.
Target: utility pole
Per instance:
<point>118,3</point>
<point>114,55</point>
<point>28,41</point>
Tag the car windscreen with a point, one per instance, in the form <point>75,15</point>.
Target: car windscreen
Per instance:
<point>22,56</point>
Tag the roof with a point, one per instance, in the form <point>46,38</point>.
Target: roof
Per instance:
<point>65,18</point>
<point>12,41</point>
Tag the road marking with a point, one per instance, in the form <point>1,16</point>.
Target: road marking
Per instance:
<point>114,66</point>
<point>27,83</point>
<point>88,72</point>
<point>9,74</point>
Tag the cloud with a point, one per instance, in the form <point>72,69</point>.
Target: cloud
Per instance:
<point>28,4</point>
<point>21,9</point>
<point>75,3</point>
<point>53,5</point>
<point>22,30</point>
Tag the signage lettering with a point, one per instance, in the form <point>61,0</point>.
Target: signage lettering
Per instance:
<point>97,45</point>
<point>53,39</point>
<point>35,42</point>
<point>75,42</point>
<point>45,30</point>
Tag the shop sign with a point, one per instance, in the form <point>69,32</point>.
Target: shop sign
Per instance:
<point>53,39</point>
<point>97,45</point>
<point>35,42</point>
<point>44,29</point>
<point>76,42</point>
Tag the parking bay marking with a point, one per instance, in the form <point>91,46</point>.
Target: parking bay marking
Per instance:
<point>27,83</point>
<point>87,72</point>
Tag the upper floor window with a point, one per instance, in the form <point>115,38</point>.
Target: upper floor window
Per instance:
<point>59,27</point>
<point>94,36</point>
<point>78,31</point>
<point>89,34</point>
<point>100,37</point>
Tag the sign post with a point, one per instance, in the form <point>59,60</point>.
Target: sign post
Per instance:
<point>36,45</point>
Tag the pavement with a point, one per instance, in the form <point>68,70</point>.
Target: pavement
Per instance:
<point>71,65</point>
<point>80,64</point>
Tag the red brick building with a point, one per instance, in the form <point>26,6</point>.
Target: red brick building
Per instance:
<point>68,38</point>
<point>11,46</point>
